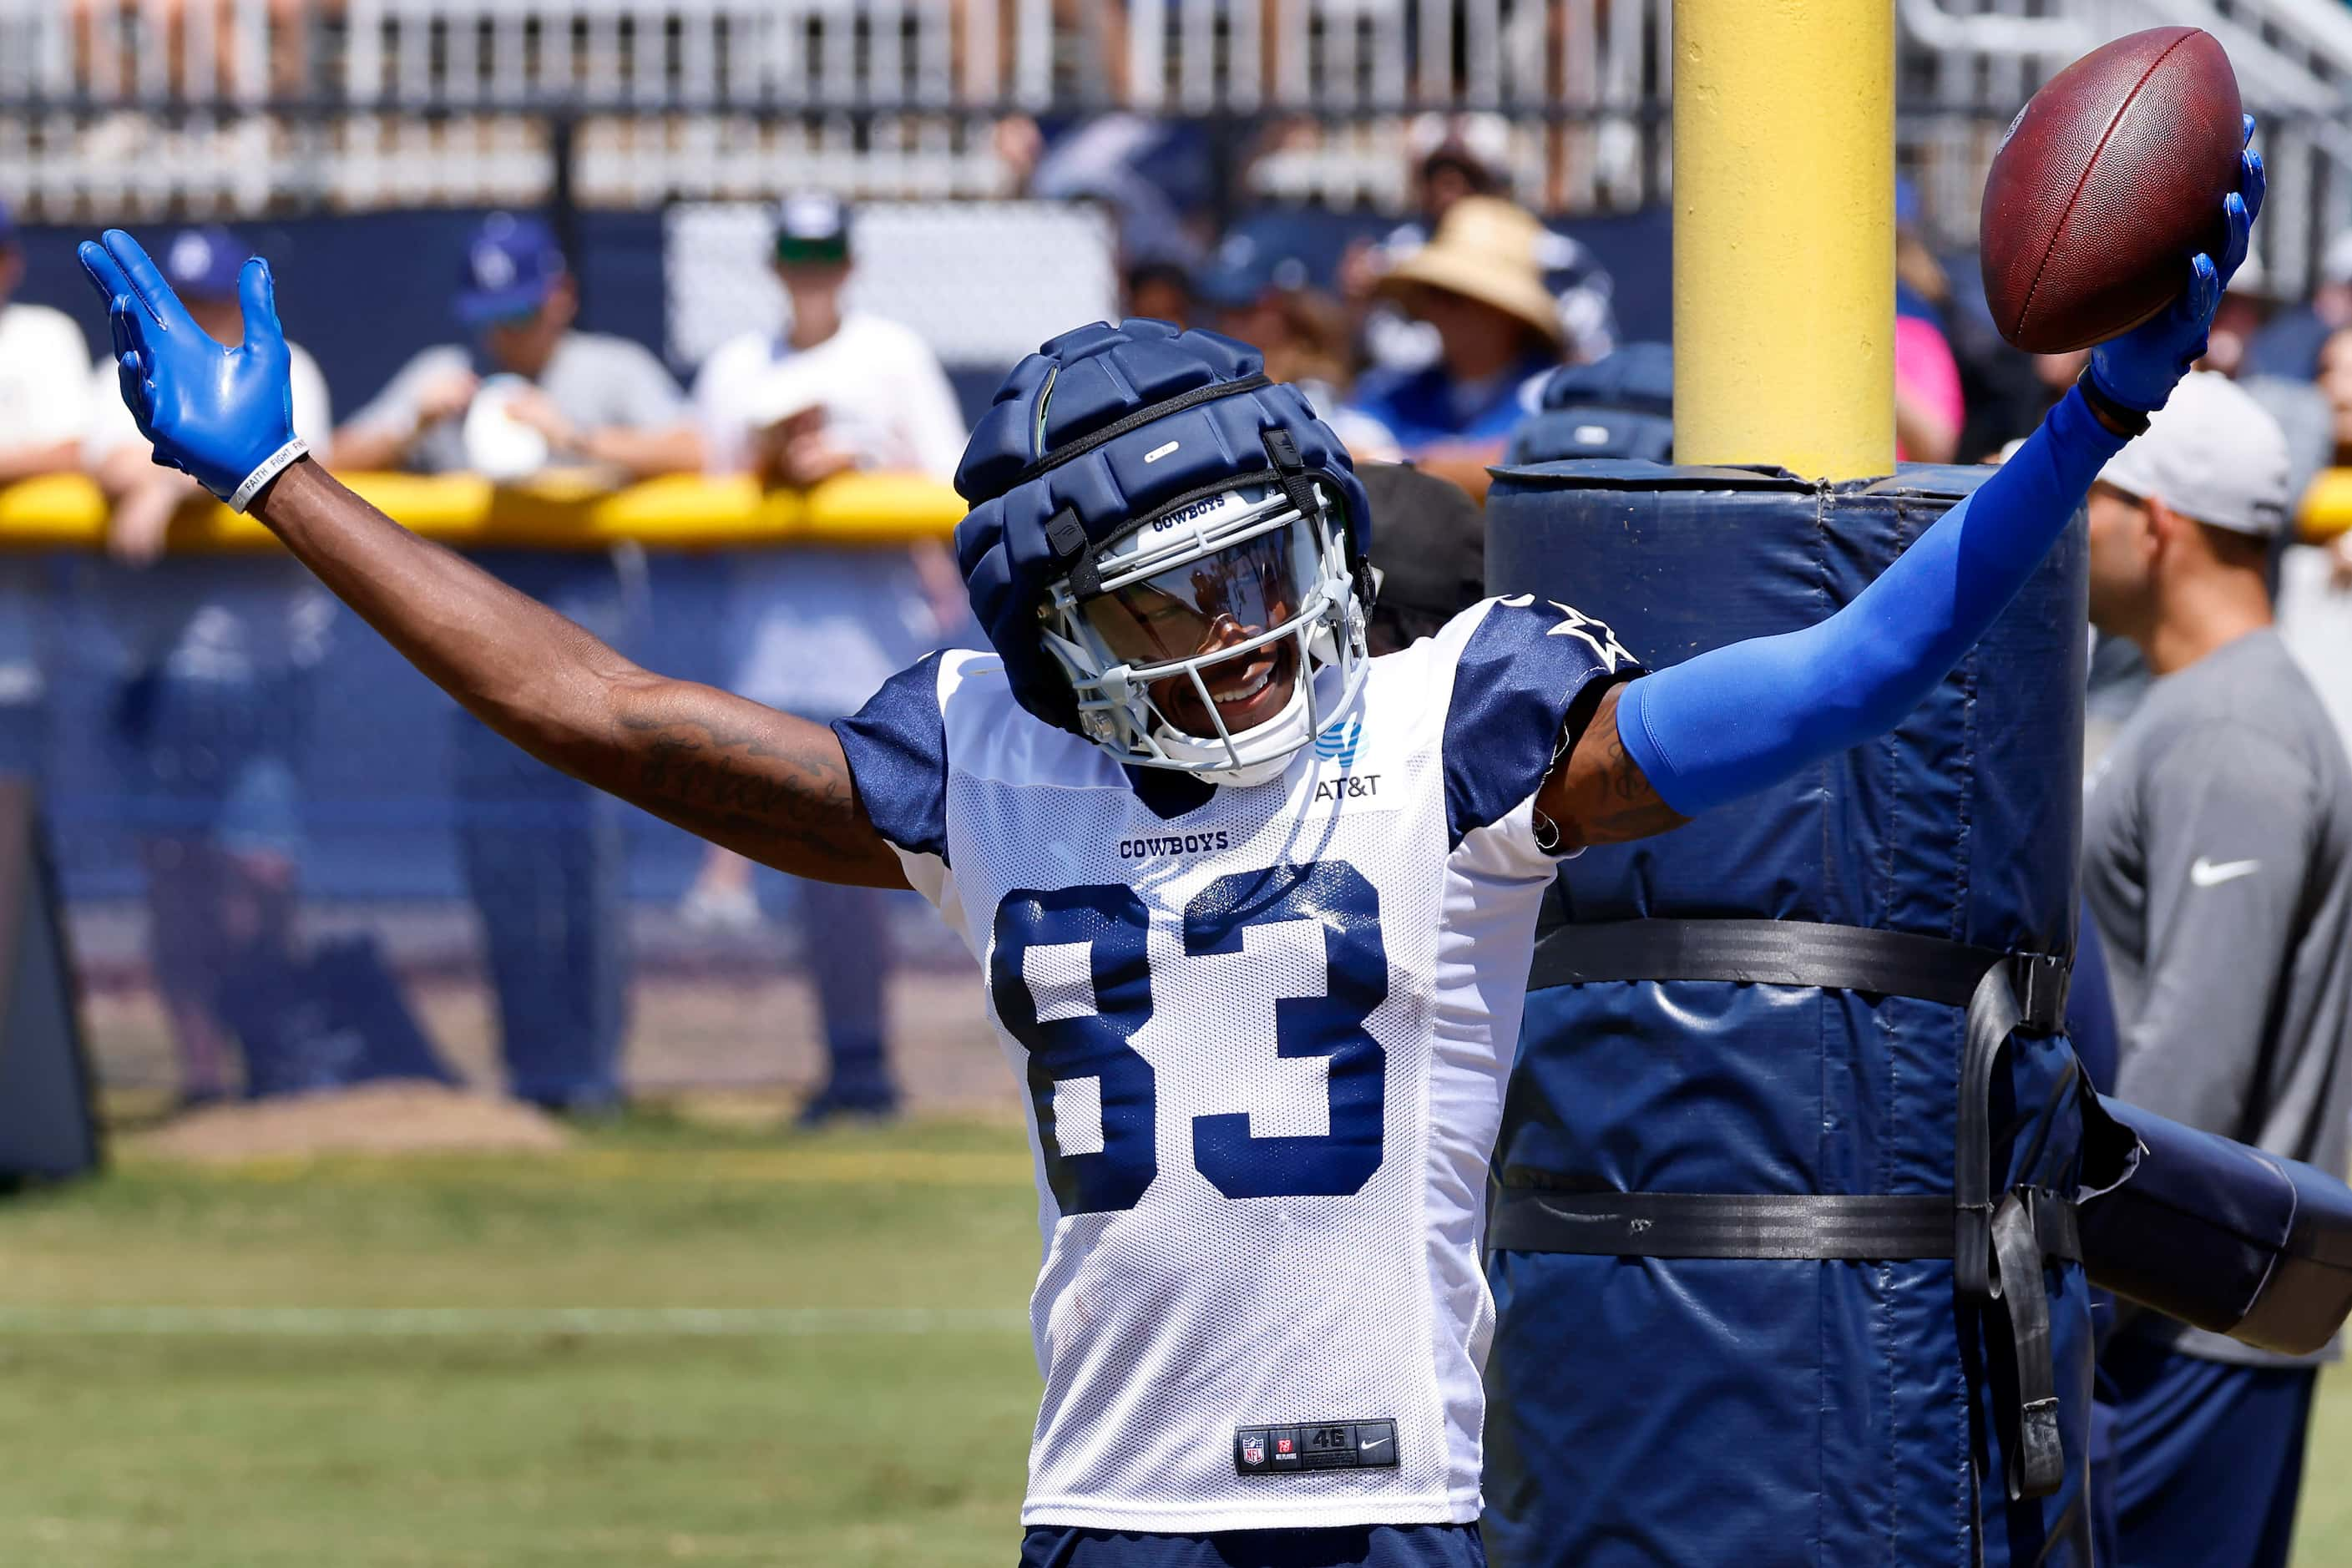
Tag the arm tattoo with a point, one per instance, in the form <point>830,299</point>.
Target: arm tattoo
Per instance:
<point>1622,805</point>
<point>781,795</point>
<point>1597,792</point>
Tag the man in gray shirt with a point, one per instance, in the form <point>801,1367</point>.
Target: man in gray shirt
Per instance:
<point>588,397</point>
<point>2218,864</point>
<point>541,852</point>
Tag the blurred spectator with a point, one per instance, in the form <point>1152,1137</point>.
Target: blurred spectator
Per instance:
<point>2218,864</point>
<point>541,852</point>
<point>44,403</point>
<point>2301,409</point>
<point>1429,546</point>
<point>1454,157</point>
<point>1480,285</point>
<point>2315,613</point>
<point>1154,175</point>
<point>1928,405</point>
<point>1267,302</point>
<point>2119,677</point>
<point>824,629</point>
<point>2246,304</point>
<point>1922,287</point>
<point>212,705</point>
<point>990,34</point>
<point>2005,391</point>
<point>1160,289</point>
<point>1929,409</point>
<point>2335,381</point>
<point>536,393</point>
<point>42,407</point>
<point>2315,585</point>
<point>1619,406</point>
<point>2288,345</point>
<point>105,31</point>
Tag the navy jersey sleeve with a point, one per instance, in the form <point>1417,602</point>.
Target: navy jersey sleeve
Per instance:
<point>1527,667</point>
<point>897,749</point>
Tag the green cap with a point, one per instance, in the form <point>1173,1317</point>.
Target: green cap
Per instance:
<point>812,230</point>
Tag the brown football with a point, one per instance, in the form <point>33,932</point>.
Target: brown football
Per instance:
<point>2108,180</point>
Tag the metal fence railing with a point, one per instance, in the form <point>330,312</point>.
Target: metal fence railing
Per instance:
<point>237,106</point>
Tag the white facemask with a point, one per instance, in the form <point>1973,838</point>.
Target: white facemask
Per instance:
<point>1205,595</point>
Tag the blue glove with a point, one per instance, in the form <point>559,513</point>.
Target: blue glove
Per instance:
<point>2140,368</point>
<point>224,415</point>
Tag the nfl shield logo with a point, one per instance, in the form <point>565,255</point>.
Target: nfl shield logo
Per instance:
<point>1253,1451</point>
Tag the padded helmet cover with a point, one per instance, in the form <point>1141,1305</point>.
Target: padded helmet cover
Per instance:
<point>1076,386</point>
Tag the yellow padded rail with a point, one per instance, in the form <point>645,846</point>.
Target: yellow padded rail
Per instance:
<point>65,512</point>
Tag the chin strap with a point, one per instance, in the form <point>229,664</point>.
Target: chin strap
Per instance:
<point>1298,488</point>
<point>1290,473</point>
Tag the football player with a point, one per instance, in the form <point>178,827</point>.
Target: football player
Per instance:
<point>1253,909</point>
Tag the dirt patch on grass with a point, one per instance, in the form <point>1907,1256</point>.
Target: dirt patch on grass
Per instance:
<point>372,1118</point>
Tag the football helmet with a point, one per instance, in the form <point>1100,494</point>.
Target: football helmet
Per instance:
<point>1220,638</point>
<point>1167,550</point>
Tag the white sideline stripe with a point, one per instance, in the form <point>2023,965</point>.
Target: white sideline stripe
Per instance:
<point>450,1322</point>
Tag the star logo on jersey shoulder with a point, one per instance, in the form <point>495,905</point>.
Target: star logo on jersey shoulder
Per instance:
<point>1595,635</point>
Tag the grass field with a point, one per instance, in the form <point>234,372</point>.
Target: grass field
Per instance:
<point>804,1352</point>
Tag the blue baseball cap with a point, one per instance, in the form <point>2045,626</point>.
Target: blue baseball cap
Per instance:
<point>203,263</point>
<point>1244,269</point>
<point>512,264</point>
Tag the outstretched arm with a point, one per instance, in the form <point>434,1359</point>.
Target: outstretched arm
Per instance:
<point>770,786</point>
<point>1737,718</point>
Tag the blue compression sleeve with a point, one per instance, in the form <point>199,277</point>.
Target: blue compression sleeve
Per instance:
<point>1736,718</point>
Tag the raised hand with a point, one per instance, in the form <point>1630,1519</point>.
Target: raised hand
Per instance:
<point>223,415</point>
<point>2140,368</point>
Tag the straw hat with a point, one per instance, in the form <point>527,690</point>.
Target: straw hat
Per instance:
<point>1489,250</point>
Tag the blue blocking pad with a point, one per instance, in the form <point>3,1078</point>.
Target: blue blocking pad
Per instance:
<point>2216,1234</point>
<point>1790,1412</point>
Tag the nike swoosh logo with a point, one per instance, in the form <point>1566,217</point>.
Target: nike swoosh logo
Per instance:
<point>1375,1443</point>
<point>2205,874</point>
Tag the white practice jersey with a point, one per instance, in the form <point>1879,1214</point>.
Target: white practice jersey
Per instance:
<point>1264,1041</point>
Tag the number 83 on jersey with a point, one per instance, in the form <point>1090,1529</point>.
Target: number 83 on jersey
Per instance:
<point>1080,1038</point>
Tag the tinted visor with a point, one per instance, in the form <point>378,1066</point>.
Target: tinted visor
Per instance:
<point>1202,605</point>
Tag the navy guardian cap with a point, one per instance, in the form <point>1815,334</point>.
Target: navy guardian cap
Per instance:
<point>1149,513</point>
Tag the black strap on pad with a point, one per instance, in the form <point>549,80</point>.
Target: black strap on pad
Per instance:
<point>1998,1250</point>
<point>2037,1460</point>
<point>1800,952</point>
<point>1532,1217</point>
